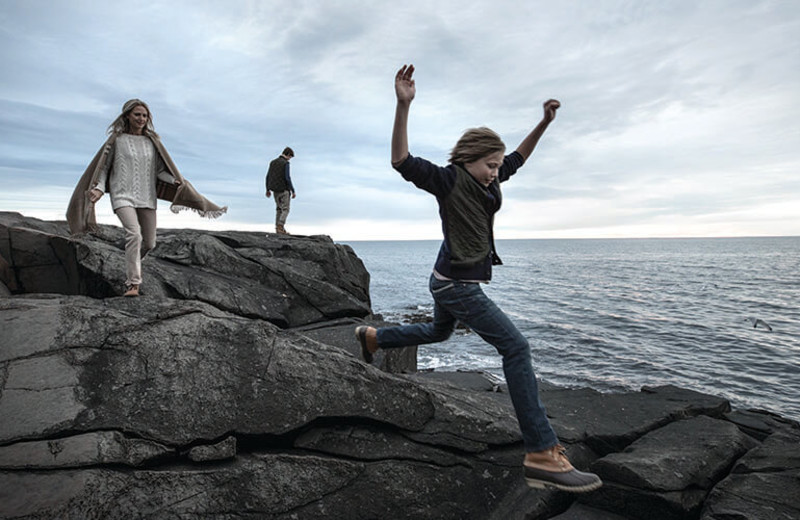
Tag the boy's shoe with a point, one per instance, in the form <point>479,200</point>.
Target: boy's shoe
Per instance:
<point>553,469</point>
<point>361,335</point>
<point>133,290</point>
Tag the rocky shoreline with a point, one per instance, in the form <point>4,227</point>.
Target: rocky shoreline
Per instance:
<point>233,390</point>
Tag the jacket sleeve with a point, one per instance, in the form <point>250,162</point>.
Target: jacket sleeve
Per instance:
<point>511,163</point>
<point>427,176</point>
<point>288,178</point>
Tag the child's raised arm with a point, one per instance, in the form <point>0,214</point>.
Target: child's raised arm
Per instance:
<point>527,145</point>
<point>405,90</point>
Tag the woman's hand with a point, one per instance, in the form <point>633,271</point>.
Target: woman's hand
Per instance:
<point>550,107</point>
<point>404,85</point>
<point>94,195</point>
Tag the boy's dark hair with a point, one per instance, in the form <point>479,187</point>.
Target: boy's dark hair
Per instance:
<point>288,152</point>
<point>475,144</point>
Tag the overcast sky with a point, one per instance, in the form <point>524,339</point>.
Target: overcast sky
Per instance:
<point>678,118</point>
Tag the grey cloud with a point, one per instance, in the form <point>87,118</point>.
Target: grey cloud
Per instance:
<point>651,92</point>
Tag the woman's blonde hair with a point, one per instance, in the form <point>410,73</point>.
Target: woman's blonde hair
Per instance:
<point>121,125</point>
<point>475,144</point>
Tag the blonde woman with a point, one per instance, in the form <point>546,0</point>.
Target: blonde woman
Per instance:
<point>135,169</point>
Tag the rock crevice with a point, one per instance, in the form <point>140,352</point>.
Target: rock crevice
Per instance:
<point>233,388</point>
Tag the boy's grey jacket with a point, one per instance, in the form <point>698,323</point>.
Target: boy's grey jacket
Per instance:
<point>467,210</point>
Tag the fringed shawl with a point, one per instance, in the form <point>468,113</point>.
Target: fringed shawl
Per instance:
<point>80,212</point>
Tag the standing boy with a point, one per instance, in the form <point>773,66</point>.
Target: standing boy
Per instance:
<point>280,182</point>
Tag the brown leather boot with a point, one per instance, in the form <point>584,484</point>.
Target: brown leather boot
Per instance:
<point>550,468</point>
<point>281,230</point>
<point>368,340</point>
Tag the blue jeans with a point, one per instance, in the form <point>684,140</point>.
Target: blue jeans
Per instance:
<point>467,303</point>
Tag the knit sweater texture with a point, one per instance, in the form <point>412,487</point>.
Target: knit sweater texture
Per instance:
<point>131,176</point>
<point>81,216</point>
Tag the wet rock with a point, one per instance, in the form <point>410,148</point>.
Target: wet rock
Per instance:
<point>582,512</point>
<point>222,450</point>
<point>289,281</point>
<point>6,278</point>
<point>260,485</point>
<point>292,282</point>
<point>148,366</point>
<point>764,483</point>
<point>758,424</point>
<point>667,473</point>
<point>610,422</point>
<point>234,389</point>
<point>175,373</point>
<point>82,450</point>
<point>687,453</point>
<point>341,333</point>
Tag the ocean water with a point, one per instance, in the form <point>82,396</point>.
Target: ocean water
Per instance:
<point>619,314</point>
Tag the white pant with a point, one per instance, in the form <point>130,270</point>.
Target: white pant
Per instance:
<point>140,238</point>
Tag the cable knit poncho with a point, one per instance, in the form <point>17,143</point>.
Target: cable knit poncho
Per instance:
<point>130,190</point>
<point>136,168</point>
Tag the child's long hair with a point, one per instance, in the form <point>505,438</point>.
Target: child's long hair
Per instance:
<point>475,144</point>
<point>121,125</point>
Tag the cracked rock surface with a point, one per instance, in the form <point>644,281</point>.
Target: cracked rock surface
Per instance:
<point>233,389</point>
<point>290,281</point>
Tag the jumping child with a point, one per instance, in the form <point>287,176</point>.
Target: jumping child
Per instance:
<point>468,193</point>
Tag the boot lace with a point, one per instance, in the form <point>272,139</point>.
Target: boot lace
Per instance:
<point>559,454</point>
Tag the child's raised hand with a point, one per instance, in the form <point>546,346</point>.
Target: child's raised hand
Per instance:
<point>550,107</point>
<point>404,85</point>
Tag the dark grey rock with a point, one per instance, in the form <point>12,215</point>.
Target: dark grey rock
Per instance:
<point>764,483</point>
<point>692,453</point>
<point>233,389</point>
<point>524,503</point>
<point>467,379</point>
<point>758,495</point>
<point>463,420</point>
<point>582,512</point>
<point>643,504</point>
<point>279,486</point>
<point>371,442</point>
<point>341,333</point>
<point>759,424</point>
<point>667,473</point>
<point>176,373</point>
<point>87,449</point>
<point>7,279</point>
<point>289,281</point>
<point>455,426</point>
<point>778,452</point>
<point>610,422</point>
<point>225,449</point>
<point>147,366</point>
